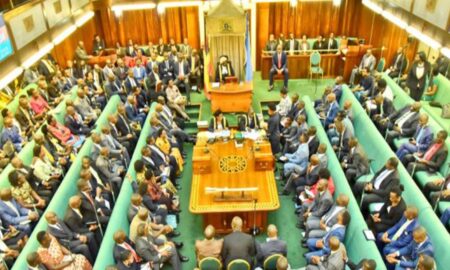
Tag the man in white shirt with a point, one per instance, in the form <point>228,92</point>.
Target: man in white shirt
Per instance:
<point>285,103</point>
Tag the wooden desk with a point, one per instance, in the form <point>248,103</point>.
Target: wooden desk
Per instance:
<point>250,169</point>
<point>231,97</point>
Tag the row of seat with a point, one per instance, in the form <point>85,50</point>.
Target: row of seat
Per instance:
<point>436,123</point>
<point>119,214</point>
<point>379,151</point>
<point>26,154</point>
<point>14,103</point>
<point>357,246</point>
<point>67,187</point>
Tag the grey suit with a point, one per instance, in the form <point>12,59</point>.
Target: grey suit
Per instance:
<point>334,261</point>
<point>313,229</point>
<point>357,164</point>
<point>266,249</point>
<point>145,248</point>
<point>366,62</point>
<point>84,108</point>
<point>318,207</point>
<point>115,148</point>
<point>237,245</point>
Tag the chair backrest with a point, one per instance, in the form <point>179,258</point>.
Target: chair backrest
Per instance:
<point>270,263</point>
<point>238,264</point>
<point>314,58</point>
<point>210,263</point>
<point>381,64</point>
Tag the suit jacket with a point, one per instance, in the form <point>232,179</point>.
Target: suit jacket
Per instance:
<point>333,261</point>
<point>357,160</point>
<point>284,61</point>
<point>287,45</point>
<point>371,62</point>
<point>438,159</point>
<point>238,245</point>
<point>121,72</point>
<point>395,213</point>
<point>413,252</point>
<point>334,44</point>
<point>83,107</point>
<point>321,204</point>
<point>409,126</point>
<point>390,181</point>
<point>132,112</point>
<point>123,125</point>
<point>186,69</point>
<point>344,138</point>
<point>9,216</point>
<point>313,144</point>
<point>407,235</point>
<point>273,132</point>
<point>146,250</point>
<point>385,109</point>
<point>166,70</point>
<point>77,127</point>
<point>271,45</point>
<point>426,138</point>
<point>129,83</point>
<point>331,112</point>
<point>23,119</point>
<point>117,250</point>
<point>311,177</point>
<point>104,168</point>
<point>270,247</point>
<point>337,231</point>
<point>330,217</point>
<point>64,234</point>
<point>318,45</point>
<point>399,64</point>
<point>75,223</point>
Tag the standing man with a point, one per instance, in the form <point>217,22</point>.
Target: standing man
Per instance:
<point>279,66</point>
<point>273,129</point>
<point>237,245</point>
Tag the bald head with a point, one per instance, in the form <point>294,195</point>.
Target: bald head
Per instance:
<point>272,231</point>
<point>282,263</point>
<point>5,194</point>
<point>411,212</point>
<point>75,202</point>
<point>334,243</point>
<point>143,214</point>
<point>314,160</point>
<point>342,200</point>
<point>420,234</point>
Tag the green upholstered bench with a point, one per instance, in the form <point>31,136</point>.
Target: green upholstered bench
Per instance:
<point>375,146</point>
<point>119,214</point>
<point>14,103</point>
<point>67,187</point>
<point>443,97</point>
<point>357,246</point>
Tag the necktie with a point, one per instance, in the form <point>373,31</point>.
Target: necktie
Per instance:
<point>135,256</point>
<point>279,61</point>
<point>181,69</point>
<point>380,179</point>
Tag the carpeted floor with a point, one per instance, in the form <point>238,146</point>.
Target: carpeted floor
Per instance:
<point>191,226</point>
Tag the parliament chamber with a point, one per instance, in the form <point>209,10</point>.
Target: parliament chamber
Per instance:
<point>224,134</point>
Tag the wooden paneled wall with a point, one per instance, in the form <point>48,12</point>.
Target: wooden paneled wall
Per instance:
<point>66,49</point>
<point>351,18</point>
<point>143,26</point>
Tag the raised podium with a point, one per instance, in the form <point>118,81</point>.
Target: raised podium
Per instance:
<point>231,97</point>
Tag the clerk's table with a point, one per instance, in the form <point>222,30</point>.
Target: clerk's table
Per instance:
<point>231,178</point>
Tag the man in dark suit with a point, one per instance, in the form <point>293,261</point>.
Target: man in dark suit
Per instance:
<point>430,161</point>
<point>147,250</point>
<point>90,207</point>
<point>365,264</point>
<point>182,72</point>
<point>114,87</point>
<point>319,44</point>
<point>130,82</point>
<point>419,142</point>
<point>399,235</point>
<point>321,204</point>
<point>331,43</point>
<point>153,84</point>
<point>25,116</point>
<point>166,69</point>
<point>313,141</point>
<point>123,243</point>
<point>273,245</point>
<point>158,212</point>
<point>127,140</point>
<point>124,124</point>
<point>292,45</point>
<point>398,63</point>
<point>355,163</point>
<point>401,124</point>
<point>77,243</point>
<point>309,177</point>
<point>341,141</point>
<point>238,245</point>
<point>77,223</point>
<point>279,66</point>
<point>377,189</point>
<point>75,123</point>
<point>384,108</point>
<point>271,44</point>
<point>273,129</point>
<point>408,256</point>
<point>438,189</point>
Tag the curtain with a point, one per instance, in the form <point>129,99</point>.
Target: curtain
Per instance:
<point>231,45</point>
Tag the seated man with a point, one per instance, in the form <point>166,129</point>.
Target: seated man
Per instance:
<point>116,149</point>
<point>127,140</point>
<point>13,214</point>
<point>317,227</point>
<point>307,178</point>
<point>176,101</point>
<point>44,170</point>
<point>279,66</point>
<point>401,234</point>
<point>84,107</point>
<point>336,259</point>
<point>90,207</point>
<point>237,245</point>
<point>298,161</point>
<point>340,142</point>
<point>133,112</point>
<point>25,116</point>
<point>402,123</point>
<point>148,250</point>
<point>84,244</point>
<point>123,243</point>
<point>38,104</point>
<point>271,44</point>
<point>114,87</point>
<point>330,111</point>
<point>273,245</point>
<point>11,134</point>
<point>182,72</point>
<point>438,190</point>
<point>321,246</point>
<point>75,123</point>
<point>368,63</point>
<point>218,122</point>
<point>318,207</point>
<point>285,103</point>
<point>355,163</point>
<point>166,69</point>
<point>399,63</point>
<point>377,189</point>
<point>208,247</point>
<point>365,86</point>
<point>432,160</point>
<point>224,69</point>
<point>408,256</point>
<point>158,212</point>
<point>109,170</point>
<point>383,108</point>
<point>420,141</point>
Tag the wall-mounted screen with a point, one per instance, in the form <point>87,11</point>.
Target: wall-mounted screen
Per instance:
<point>6,48</point>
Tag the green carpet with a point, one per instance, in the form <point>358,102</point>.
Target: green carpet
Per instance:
<point>191,226</point>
